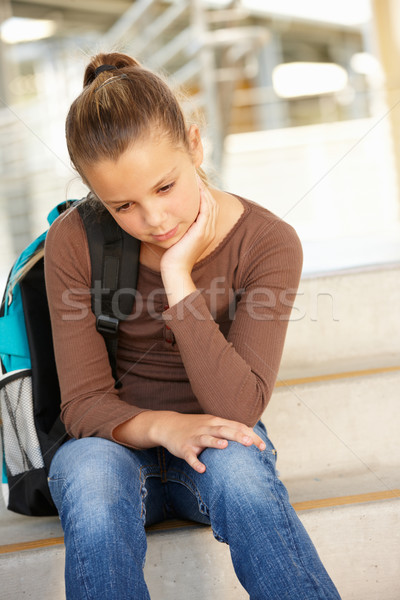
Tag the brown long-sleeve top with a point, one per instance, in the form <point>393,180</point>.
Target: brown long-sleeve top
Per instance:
<point>216,352</point>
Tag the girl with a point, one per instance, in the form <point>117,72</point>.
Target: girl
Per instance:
<point>198,357</point>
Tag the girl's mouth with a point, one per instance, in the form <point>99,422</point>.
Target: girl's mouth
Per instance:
<point>166,236</point>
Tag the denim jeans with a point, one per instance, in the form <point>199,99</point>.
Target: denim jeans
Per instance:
<point>107,493</point>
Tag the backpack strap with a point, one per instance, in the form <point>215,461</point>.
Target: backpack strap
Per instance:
<point>114,256</point>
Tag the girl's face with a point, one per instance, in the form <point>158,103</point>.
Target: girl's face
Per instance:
<point>152,190</point>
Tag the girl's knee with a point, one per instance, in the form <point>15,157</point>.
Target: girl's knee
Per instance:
<point>239,458</point>
<point>239,471</point>
<point>90,458</point>
<point>92,474</point>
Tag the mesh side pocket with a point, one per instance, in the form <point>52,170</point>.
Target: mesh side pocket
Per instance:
<point>21,445</point>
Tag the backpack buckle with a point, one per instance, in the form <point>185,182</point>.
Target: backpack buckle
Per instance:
<point>107,325</point>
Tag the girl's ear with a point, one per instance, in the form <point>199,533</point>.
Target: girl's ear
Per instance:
<point>195,145</point>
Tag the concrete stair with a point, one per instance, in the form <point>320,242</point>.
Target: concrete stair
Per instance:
<point>343,319</point>
<point>337,433</point>
<point>334,419</point>
<point>359,544</point>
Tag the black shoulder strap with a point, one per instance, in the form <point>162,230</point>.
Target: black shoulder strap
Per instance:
<point>114,256</point>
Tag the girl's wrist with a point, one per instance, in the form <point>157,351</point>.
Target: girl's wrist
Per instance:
<point>177,285</point>
<point>158,429</point>
<point>145,430</point>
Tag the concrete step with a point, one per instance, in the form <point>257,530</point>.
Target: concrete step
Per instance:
<point>351,315</point>
<point>337,428</point>
<point>358,540</point>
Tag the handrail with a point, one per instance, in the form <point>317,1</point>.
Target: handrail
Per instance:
<point>130,18</point>
<point>179,43</point>
<point>191,53</point>
<point>161,24</point>
<point>187,73</point>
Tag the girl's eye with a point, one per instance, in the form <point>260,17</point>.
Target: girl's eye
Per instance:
<point>124,207</point>
<point>163,190</point>
<point>166,188</point>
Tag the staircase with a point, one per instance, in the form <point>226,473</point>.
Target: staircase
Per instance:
<point>334,419</point>
<point>204,50</point>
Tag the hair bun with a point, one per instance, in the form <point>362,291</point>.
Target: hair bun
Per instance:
<point>111,61</point>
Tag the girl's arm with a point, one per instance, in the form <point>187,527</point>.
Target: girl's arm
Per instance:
<point>185,436</point>
<point>90,405</point>
<point>233,377</point>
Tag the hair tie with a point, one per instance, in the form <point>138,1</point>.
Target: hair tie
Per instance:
<point>102,68</point>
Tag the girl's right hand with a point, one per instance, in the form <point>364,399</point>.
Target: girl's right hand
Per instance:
<point>187,435</point>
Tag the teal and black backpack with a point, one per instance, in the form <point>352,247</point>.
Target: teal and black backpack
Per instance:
<point>31,429</point>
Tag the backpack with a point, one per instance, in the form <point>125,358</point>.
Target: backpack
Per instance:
<point>30,399</point>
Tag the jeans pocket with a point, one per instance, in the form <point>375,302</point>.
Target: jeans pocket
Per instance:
<point>271,455</point>
<point>270,450</point>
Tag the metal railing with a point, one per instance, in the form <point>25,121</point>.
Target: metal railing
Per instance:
<point>199,48</point>
<point>197,45</point>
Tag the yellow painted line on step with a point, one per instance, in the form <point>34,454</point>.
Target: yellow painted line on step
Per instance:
<point>332,376</point>
<point>342,500</point>
<point>56,541</point>
<point>34,545</point>
<point>177,524</point>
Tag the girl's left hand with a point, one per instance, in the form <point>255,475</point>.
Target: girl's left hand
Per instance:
<point>182,256</point>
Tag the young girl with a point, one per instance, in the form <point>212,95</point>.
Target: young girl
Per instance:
<point>198,357</point>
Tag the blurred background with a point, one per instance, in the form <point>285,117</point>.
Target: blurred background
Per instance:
<point>301,102</point>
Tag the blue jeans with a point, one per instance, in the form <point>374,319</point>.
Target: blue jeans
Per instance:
<point>107,493</point>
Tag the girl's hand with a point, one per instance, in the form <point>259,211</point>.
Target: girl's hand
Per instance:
<point>181,257</point>
<point>186,436</point>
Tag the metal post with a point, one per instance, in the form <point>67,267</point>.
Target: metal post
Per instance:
<point>386,18</point>
<point>272,113</point>
<point>209,85</point>
<point>5,67</point>
<point>14,190</point>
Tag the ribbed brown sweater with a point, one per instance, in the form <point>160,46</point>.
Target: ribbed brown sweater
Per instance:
<point>217,351</point>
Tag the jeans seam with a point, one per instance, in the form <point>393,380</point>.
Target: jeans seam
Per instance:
<point>293,539</point>
<point>142,479</point>
<point>77,553</point>
<point>81,567</point>
<point>194,489</point>
<point>55,480</point>
<point>161,465</point>
<point>196,492</point>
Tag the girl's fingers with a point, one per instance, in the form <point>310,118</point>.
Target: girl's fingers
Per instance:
<point>193,461</point>
<point>208,204</point>
<point>257,441</point>
<point>210,441</point>
<point>247,437</point>
<point>204,441</point>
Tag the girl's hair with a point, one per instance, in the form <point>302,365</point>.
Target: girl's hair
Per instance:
<point>22,271</point>
<point>117,107</point>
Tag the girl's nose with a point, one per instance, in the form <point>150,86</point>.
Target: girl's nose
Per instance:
<point>155,217</point>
